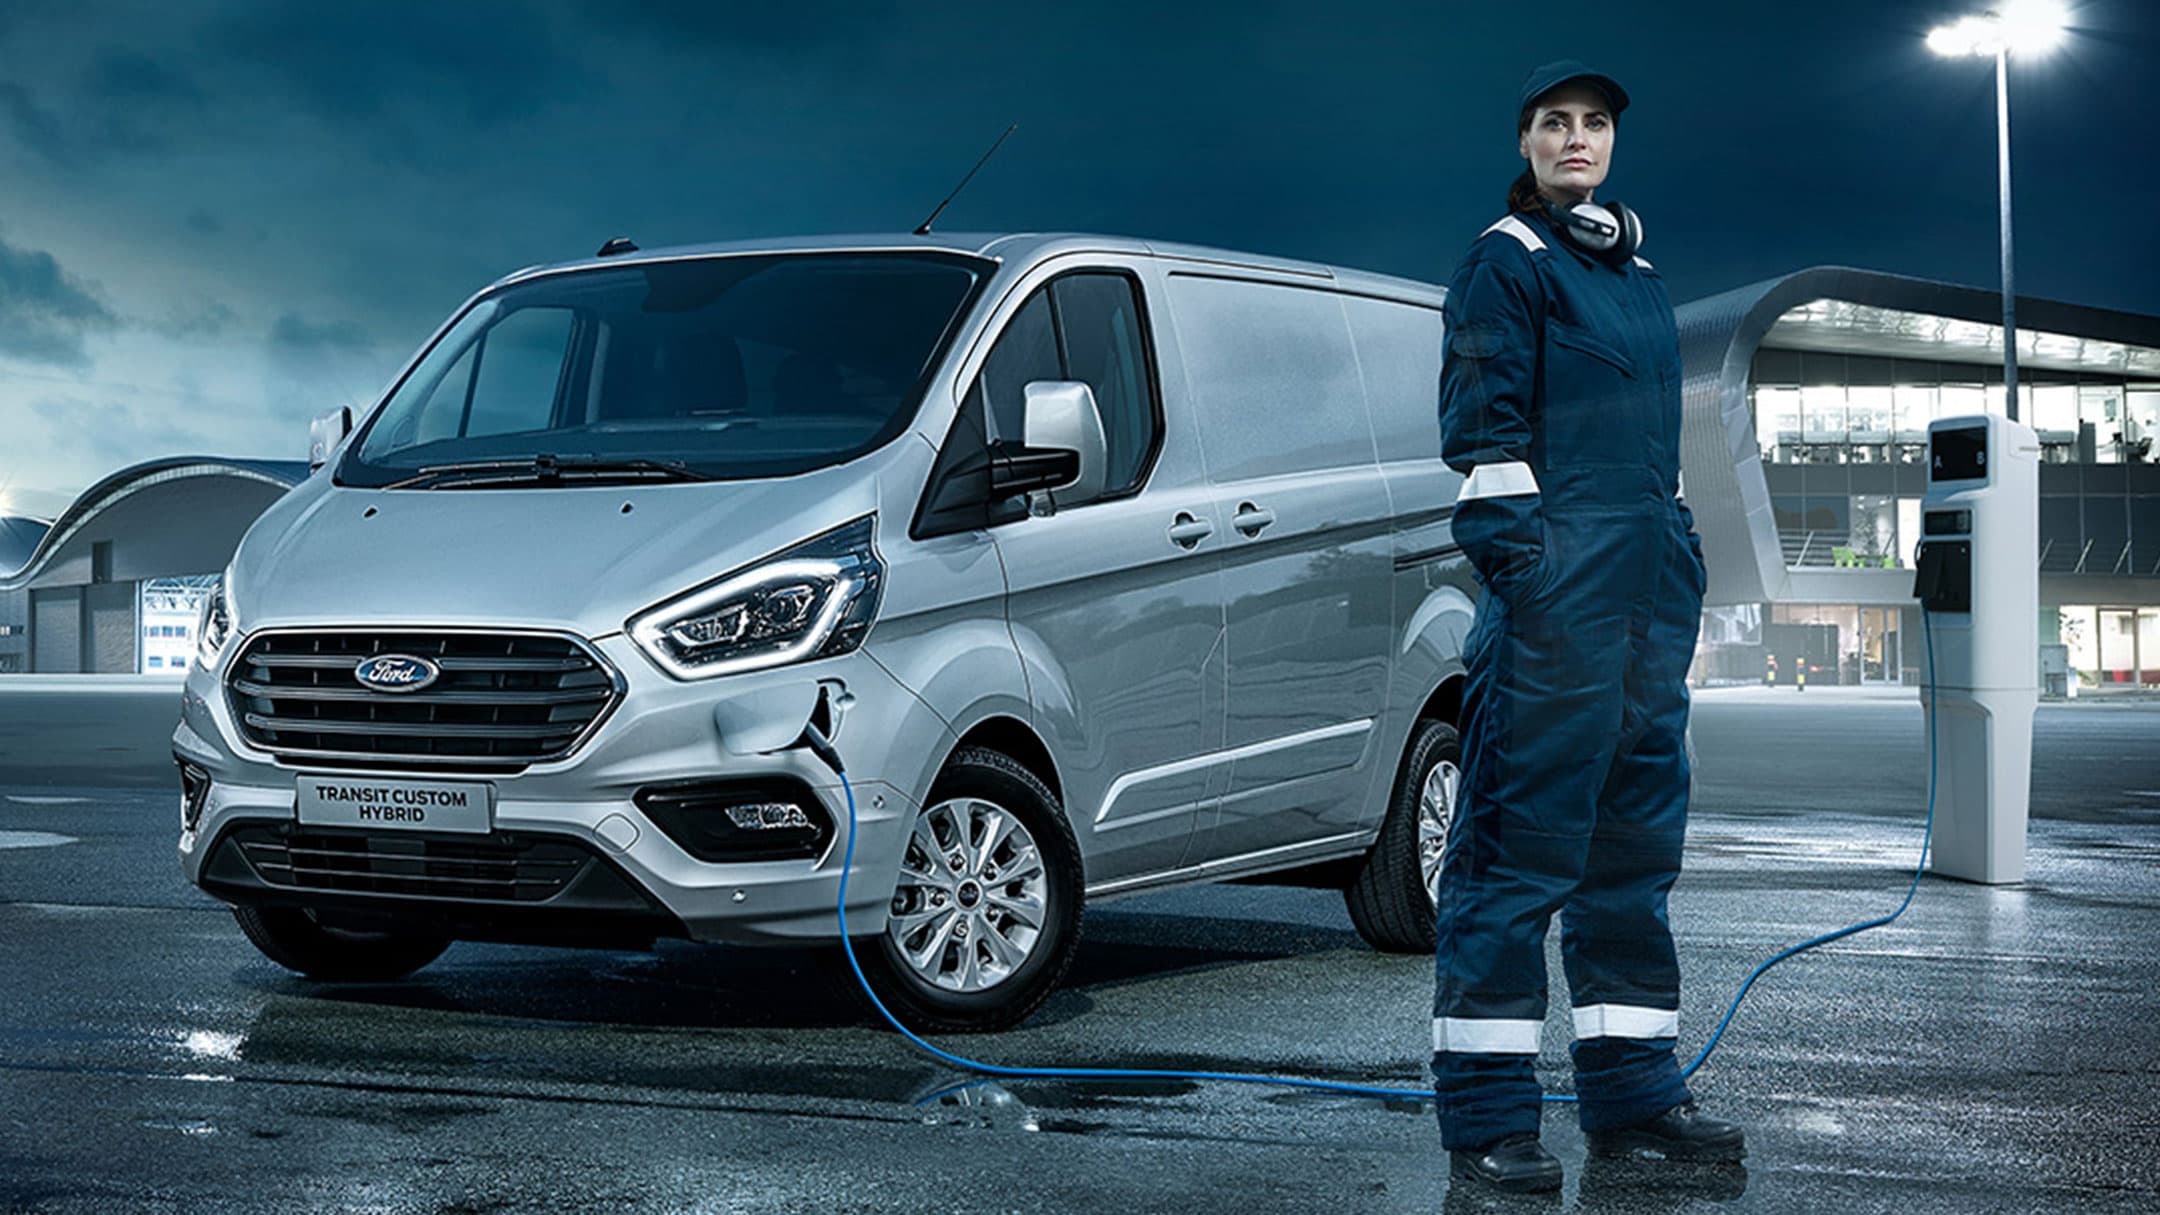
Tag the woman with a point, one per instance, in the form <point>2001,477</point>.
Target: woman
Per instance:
<point>1560,401</point>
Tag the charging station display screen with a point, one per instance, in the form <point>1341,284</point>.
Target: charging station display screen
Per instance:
<point>1958,455</point>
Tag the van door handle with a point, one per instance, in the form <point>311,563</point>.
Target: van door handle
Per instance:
<point>1250,519</point>
<point>1186,531</point>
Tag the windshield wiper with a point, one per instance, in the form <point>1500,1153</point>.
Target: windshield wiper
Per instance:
<point>547,470</point>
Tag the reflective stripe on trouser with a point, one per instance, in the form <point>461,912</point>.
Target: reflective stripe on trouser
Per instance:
<point>1575,786</point>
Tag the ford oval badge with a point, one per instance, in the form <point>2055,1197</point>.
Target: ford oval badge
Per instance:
<point>396,672</point>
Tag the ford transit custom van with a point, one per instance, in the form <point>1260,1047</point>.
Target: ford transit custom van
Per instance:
<point>1106,565</point>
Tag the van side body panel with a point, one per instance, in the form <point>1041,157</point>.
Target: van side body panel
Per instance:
<point>1308,563</point>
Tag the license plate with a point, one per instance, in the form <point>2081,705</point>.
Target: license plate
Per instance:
<point>397,805</point>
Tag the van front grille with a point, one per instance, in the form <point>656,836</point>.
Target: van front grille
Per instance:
<point>489,869</point>
<point>502,700</point>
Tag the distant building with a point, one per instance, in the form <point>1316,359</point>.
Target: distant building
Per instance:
<point>19,538</point>
<point>1808,399</point>
<point>116,580</point>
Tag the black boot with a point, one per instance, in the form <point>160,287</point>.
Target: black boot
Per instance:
<point>1680,1133</point>
<point>1516,1163</point>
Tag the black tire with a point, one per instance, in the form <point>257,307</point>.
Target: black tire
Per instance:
<point>295,939</point>
<point>1007,785</point>
<point>1388,900</point>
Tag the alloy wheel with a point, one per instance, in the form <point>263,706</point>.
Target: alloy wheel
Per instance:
<point>970,903</point>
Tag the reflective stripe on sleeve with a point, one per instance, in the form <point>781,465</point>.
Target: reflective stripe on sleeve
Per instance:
<point>1626,1021</point>
<point>1498,481</point>
<point>1484,1036</point>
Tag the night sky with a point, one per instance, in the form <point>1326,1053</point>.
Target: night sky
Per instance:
<point>222,218</point>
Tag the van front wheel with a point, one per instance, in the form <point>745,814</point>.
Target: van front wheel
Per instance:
<point>985,917</point>
<point>296,939</point>
<point>1394,898</point>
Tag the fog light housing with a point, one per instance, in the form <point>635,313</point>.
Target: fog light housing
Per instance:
<point>749,819</point>
<point>770,816</point>
<point>194,793</point>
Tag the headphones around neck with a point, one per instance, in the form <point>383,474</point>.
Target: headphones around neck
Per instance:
<point>1609,230</point>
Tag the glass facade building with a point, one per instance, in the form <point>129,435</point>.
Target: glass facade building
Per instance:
<point>1808,402</point>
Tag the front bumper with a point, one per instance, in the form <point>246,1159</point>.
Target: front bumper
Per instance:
<point>662,731</point>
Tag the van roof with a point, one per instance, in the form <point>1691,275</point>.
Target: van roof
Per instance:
<point>1025,247</point>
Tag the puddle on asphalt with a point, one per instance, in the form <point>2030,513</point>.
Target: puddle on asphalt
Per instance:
<point>193,1127</point>
<point>33,839</point>
<point>983,1104</point>
<point>210,1044</point>
<point>1316,1100</point>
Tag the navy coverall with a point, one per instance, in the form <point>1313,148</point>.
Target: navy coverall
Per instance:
<point>1560,402</point>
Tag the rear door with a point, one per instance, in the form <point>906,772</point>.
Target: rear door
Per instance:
<point>1307,560</point>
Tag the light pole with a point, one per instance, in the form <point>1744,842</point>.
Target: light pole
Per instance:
<point>2029,27</point>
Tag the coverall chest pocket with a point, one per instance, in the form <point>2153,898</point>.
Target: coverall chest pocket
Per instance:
<point>1590,388</point>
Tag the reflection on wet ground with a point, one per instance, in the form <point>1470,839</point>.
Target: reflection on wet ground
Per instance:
<point>1991,1051</point>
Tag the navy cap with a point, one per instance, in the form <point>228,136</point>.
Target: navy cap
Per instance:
<point>1551,76</point>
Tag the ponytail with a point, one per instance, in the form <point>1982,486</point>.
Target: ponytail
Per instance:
<point>1522,193</point>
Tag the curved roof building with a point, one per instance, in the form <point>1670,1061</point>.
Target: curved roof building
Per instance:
<point>70,591</point>
<point>1807,402</point>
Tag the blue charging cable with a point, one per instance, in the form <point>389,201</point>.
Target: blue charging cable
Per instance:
<point>847,864</point>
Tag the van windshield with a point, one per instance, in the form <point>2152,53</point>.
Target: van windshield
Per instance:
<point>712,368</point>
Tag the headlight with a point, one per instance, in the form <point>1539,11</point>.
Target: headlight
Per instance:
<point>213,628</point>
<point>811,601</point>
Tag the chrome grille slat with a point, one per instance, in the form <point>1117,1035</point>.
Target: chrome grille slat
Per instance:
<point>411,729</point>
<point>345,661</point>
<point>504,699</point>
<point>248,687</point>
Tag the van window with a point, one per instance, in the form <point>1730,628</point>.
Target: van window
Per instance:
<point>1026,352</point>
<point>1103,348</point>
<point>726,367</point>
<point>1398,349</point>
<point>521,363</point>
<point>1275,379</point>
<point>1083,327</point>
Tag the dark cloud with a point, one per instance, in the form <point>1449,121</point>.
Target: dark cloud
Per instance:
<point>314,365</point>
<point>485,62</point>
<point>45,313</point>
<point>131,78</point>
<point>34,128</point>
<point>789,29</point>
<point>128,114</point>
<point>208,319</point>
<point>114,433</point>
<point>295,336</point>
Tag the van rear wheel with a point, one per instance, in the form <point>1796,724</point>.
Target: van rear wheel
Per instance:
<point>985,917</point>
<point>294,938</point>
<point>1394,900</point>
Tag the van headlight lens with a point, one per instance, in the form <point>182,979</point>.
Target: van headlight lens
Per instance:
<point>214,627</point>
<point>814,600</point>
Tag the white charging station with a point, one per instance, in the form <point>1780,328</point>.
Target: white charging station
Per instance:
<point>1979,582</point>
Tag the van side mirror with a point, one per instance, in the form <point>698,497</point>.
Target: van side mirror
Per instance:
<point>1061,416</point>
<point>325,433</point>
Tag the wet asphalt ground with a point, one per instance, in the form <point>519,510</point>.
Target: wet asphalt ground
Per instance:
<point>1994,1050</point>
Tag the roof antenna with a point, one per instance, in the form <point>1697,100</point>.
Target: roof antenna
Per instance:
<point>925,229</point>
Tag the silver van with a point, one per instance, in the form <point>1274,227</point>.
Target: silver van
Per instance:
<point>1105,565</point>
